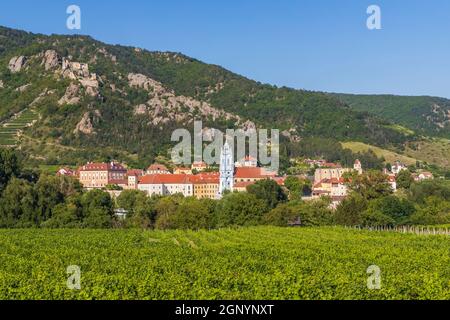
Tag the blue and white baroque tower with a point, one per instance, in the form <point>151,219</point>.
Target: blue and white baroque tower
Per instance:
<point>226,169</point>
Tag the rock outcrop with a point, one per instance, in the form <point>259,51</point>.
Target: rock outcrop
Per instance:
<point>1,84</point>
<point>86,123</point>
<point>80,71</point>
<point>51,59</point>
<point>71,96</point>
<point>144,82</point>
<point>23,88</point>
<point>164,106</point>
<point>16,64</point>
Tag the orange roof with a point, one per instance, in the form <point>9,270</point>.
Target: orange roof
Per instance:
<point>202,179</point>
<point>135,172</point>
<point>164,179</point>
<point>249,172</point>
<point>158,167</point>
<point>332,165</point>
<point>332,180</point>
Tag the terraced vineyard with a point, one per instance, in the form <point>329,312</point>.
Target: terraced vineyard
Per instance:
<point>10,130</point>
<point>248,263</point>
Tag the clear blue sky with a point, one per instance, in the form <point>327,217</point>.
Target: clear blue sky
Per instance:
<point>310,44</point>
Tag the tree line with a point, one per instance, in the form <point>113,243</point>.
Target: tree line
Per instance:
<point>29,200</point>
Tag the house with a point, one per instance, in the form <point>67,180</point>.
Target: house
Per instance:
<point>133,178</point>
<point>206,185</point>
<point>333,187</point>
<point>199,166</point>
<point>425,175</point>
<point>157,168</point>
<point>397,167</point>
<point>357,166</point>
<point>166,184</point>
<point>182,170</point>
<point>251,174</point>
<point>247,161</point>
<point>99,175</point>
<point>66,172</point>
<point>313,163</point>
<point>335,171</point>
<point>329,173</point>
<point>392,179</point>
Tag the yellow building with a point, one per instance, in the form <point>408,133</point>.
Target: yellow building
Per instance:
<point>206,185</point>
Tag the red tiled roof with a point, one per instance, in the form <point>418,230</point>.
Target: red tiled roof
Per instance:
<point>249,172</point>
<point>332,181</point>
<point>135,172</point>
<point>204,178</point>
<point>165,179</point>
<point>332,165</point>
<point>66,172</point>
<point>158,167</point>
<point>102,167</point>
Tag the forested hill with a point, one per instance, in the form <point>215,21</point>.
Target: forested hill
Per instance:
<point>86,99</point>
<point>422,114</point>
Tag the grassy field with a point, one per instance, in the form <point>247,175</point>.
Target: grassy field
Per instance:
<point>251,263</point>
<point>435,151</point>
<point>390,156</point>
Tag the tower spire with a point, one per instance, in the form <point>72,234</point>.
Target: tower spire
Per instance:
<point>226,169</point>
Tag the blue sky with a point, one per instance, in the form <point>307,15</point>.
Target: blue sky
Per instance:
<point>319,45</point>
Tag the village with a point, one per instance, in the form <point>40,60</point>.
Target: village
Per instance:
<point>205,182</point>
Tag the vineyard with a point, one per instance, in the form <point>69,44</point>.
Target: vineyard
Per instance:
<point>248,263</point>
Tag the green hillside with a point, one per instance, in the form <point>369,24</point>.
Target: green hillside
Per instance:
<point>139,97</point>
<point>424,115</point>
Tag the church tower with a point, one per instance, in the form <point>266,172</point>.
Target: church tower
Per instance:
<point>358,167</point>
<point>226,169</point>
